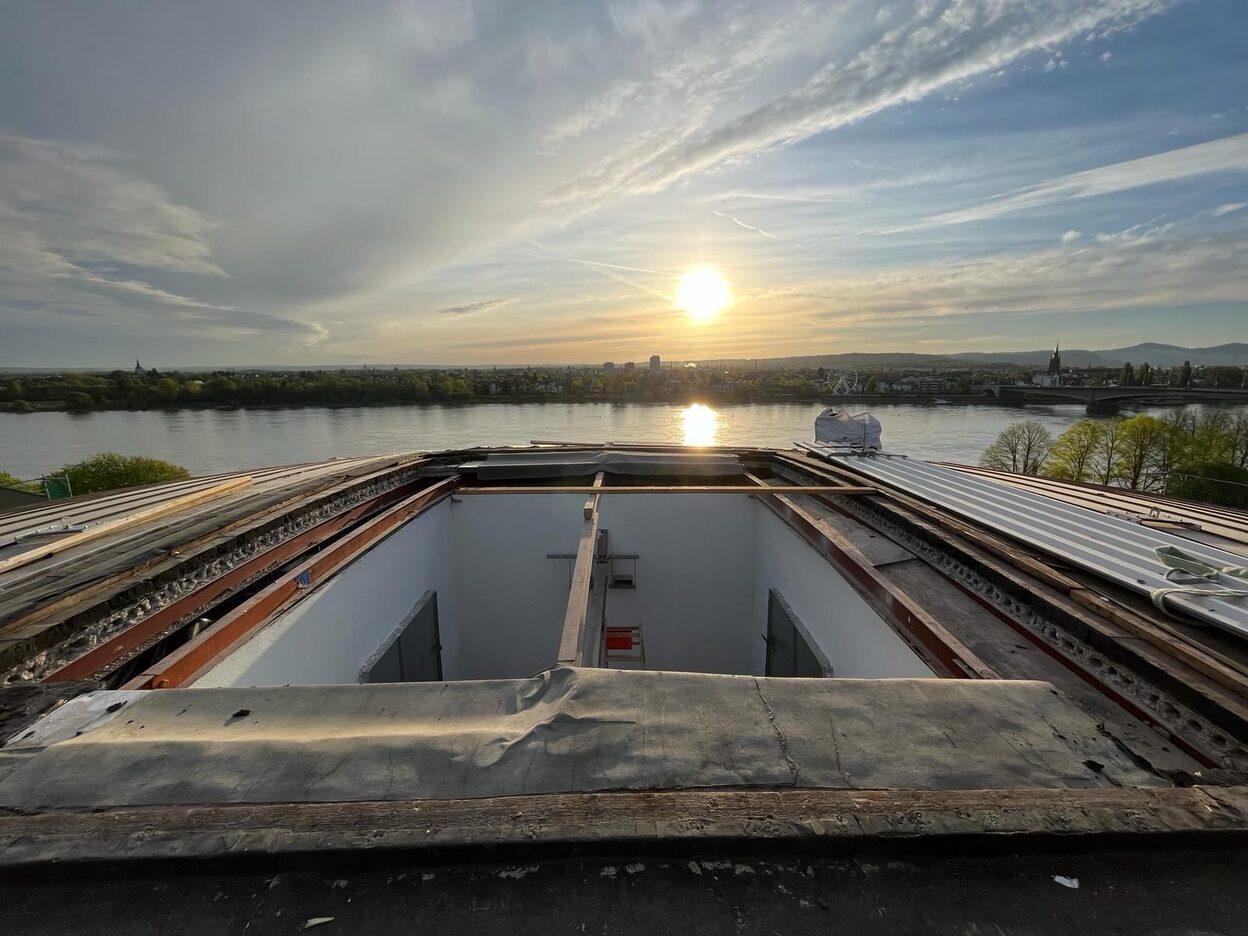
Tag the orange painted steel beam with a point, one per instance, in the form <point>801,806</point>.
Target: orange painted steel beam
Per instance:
<point>197,655</point>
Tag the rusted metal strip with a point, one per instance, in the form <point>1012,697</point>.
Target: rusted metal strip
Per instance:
<point>107,655</point>
<point>190,660</point>
<point>940,649</point>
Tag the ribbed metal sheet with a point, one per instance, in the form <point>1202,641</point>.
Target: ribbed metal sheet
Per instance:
<point>1113,547</point>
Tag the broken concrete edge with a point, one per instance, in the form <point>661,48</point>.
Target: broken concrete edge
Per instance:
<point>675,819</point>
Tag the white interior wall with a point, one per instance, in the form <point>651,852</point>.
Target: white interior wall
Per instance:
<point>695,578</point>
<point>707,562</point>
<point>510,599</point>
<point>850,633</point>
<point>327,636</point>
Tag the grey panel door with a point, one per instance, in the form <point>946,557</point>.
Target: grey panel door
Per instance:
<point>789,653</point>
<point>413,653</point>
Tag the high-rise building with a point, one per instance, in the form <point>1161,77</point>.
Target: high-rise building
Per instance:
<point>629,365</point>
<point>655,364</point>
<point>608,366</point>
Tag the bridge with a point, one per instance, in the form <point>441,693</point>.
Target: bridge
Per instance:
<point>1109,399</point>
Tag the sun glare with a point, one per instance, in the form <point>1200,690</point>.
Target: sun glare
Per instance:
<point>700,425</point>
<point>702,293</point>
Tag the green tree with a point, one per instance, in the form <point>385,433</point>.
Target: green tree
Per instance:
<point>167,389</point>
<point>79,401</point>
<point>1183,376</point>
<point>1022,448</point>
<point>1105,458</point>
<point>1143,441</point>
<point>1126,376</point>
<point>9,481</point>
<point>1225,377</point>
<point>109,470</point>
<point>1145,376</point>
<point>1072,454</point>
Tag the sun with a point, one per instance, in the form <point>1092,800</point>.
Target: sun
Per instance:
<point>703,293</point>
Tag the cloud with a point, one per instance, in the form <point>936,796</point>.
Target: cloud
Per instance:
<point>483,306</point>
<point>1227,208</point>
<point>1070,237</point>
<point>938,43</point>
<point>1229,154</point>
<point>81,237</point>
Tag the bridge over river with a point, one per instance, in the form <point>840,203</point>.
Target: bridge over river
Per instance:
<point>1109,399</point>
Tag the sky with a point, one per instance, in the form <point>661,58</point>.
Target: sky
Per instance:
<point>459,182</point>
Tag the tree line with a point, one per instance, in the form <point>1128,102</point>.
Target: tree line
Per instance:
<point>1177,454</point>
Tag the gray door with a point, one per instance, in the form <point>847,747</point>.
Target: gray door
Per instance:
<point>789,653</point>
<point>413,653</point>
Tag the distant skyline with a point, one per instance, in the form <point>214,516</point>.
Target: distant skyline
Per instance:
<point>476,182</point>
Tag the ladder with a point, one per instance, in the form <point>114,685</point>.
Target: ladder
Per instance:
<point>624,645</point>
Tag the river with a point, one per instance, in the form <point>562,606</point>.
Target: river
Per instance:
<point>211,441</point>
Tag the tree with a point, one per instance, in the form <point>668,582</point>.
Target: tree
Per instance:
<point>1022,448</point>
<point>1225,377</point>
<point>1072,453</point>
<point>109,470</point>
<point>9,481</point>
<point>1145,376</point>
<point>167,389</point>
<point>1126,376</point>
<point>1183,377</point>
<point>1105,458</point>
<point>1143,441</point>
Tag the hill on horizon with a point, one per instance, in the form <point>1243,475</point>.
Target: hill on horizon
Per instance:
<point>1155,353</point>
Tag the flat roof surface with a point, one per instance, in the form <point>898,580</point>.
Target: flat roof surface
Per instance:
<point>566,730</point>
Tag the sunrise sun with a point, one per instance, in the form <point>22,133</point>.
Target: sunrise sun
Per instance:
<point>703,293</point>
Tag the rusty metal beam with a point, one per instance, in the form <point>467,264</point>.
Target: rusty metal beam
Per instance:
<point>940,649</point>
<point>193,658</point>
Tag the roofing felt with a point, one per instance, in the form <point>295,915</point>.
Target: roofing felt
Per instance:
<point>564,730</point>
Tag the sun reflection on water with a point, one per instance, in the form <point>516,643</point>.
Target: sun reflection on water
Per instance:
<point>701,423</point>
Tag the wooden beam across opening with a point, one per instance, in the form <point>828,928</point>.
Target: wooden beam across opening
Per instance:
<point>668,489</point>
<point>572,641</point>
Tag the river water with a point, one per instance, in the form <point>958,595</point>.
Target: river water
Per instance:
<point>211,441</point>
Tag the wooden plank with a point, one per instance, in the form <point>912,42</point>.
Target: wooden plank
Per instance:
<point>76,599</point>
<point>124,523</point>
<point>192,659</point>
<point>665,489</point>
<point>1133,817</point>
<point>572,639</point>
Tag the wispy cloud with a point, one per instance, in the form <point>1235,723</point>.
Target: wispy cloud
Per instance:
<point>483,306</point>
<point>81,236</point>
<point>1217,156</point>
<point>934,44</point>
